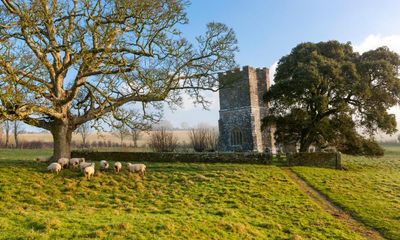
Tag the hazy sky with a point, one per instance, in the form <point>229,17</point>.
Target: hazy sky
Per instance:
<point>267,30</point>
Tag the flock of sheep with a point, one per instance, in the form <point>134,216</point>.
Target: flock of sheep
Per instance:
<point>88,168</point>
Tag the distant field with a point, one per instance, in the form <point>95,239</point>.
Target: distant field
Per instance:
<point>369,189</point>
<point>175,201</point>
<point>182,136</point>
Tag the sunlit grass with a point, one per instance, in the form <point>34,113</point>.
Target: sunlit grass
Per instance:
<point>369,189</point>
<point>174,201</point>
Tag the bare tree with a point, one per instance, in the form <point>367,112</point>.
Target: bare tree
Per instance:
<point>1,133</point>
<point>203,139</point>
<point>121,133</point>
<point>84,131</point>
<point>7,129</point>
<point>17,129</point>
<point>198,139</point>
<point>135,135</point>
<point>212,139</point>
<point>64,63</point>
<point>162,140</point>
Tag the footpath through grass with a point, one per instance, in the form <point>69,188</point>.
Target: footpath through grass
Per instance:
<point>175,201</point>
<point>369,189</point>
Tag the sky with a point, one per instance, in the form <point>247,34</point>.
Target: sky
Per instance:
<point>268,30</point>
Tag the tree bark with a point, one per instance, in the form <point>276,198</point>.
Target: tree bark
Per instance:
<point>62,136</point>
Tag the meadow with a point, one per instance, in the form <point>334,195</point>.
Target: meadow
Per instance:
<point>174,201</point>
<point>369,189</point>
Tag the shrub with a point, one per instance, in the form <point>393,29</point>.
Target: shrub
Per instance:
<point>204,139</point>
<point>361,146</point>
<point>162,140</point>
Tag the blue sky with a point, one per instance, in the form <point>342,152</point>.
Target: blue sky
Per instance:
<point>267,30</point>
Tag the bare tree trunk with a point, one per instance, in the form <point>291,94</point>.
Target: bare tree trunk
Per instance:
<point>1,135</point>
<point>7,127</point>
<point>83,140</point>
<point>16,135</point>
<point>62,136</point>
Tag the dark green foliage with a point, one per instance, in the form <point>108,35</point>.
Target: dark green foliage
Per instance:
<point>361,146</point>
<point>324,91</point>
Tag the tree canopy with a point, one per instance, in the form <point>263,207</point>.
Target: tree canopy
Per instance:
<point>324,93</point>
<point>63,63</point>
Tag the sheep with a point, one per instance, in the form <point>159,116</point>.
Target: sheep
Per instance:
<point>104,165</point>
<point>79,160</point>
<point>54,167</point>
<point>43,159</point>
<point>89,171</point>
<point>64,162</point>
<point>117,167</point>
<point>74,162</point>
<point>141,168</point>
<point>83,165</point>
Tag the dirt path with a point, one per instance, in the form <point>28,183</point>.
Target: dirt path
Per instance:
<point>333,210</point>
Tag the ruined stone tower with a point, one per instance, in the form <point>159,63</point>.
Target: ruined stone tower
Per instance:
<point>241,110</point>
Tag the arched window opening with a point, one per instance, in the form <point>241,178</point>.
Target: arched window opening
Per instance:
<point>236,137</point>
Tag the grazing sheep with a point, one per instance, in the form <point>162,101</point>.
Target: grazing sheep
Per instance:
<point>104,165</point>
<point>117,167</point>
<point>64,162</point>
<point>43,159</point>
<point>141,168</point>
<point>54,167</point>
<point>89,171</point>
<point>84,165</point>
<point>74,162</point>
<point>80,160</point>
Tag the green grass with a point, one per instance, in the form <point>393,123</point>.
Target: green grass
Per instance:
<point>174,201</point>
<point>369,189</point>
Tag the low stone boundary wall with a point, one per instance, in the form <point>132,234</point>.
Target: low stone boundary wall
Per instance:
<point>317,159</point>
<point>248,158</point>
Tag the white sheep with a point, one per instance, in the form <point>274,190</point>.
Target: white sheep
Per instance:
<point>54,167</point>
<point>43,159</point>
<point>80,160</point>
<point>139,167</point>
<point>89,171</point>
<point>104,165</point>
<point>117,167</point>
<point>74,162</point>
<point>64,162</point>
<point>84,165</point>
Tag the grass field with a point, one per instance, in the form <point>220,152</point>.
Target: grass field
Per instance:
<point>369,189</point>
<point>174,201</point>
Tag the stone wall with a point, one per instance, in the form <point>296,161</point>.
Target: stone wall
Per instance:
<point>248,158</point>
<point>316,159</point>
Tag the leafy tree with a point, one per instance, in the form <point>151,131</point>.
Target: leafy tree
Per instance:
<point>324,91</point>
<point>64,63</point>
